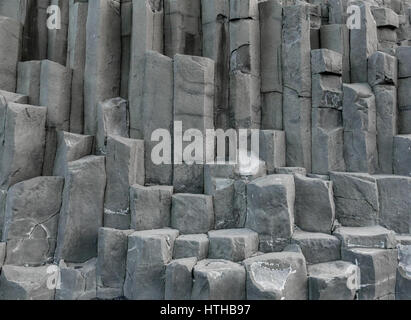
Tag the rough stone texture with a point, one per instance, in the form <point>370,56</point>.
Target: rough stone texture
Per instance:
<point>272,149</point>
<point>382,69</point>
<point>318,247</point>
<point>326,61</point>
<point>360,128</point>
<point>270,210</point>
<point>70,147</point>
<point>28,80</point>
<point>277,276</point>
<point>179,279</point>
<point>232,244</point>
<point>385,17</point>
<point>22,136</point>
<point>404,65</point>
<point>219,280</point>
<point>356,199</point>
<point>394,202</point>
<point>366,237</point>
<point>124,168</point>
<point>111,262</point>
<point>81,214</point>
<point>25,283</point>
<point>148,254</point>
<point>402,155</point>
<point>192,245</point>
<point>192,213</point>
<point>314,204</point>
<point>31,221</point>
<point>150,207</point>
<point>378,271</point>
<point>337,280</point>
<point>10,37</point>
<point>403,283</point>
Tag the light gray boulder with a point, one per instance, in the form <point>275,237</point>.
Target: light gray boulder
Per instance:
<point>148,254</point>
<point>326,61</point>
<point>26,283</point>
<point>233,244</point>
<point>179,279</point>
<point>385,17</point>
<point>150,207</point>
<point>314,204</point>
<point>336,280</point>
<point>270,210</point>
<point>192,213</point>
<point>31,221</point>
<point>219,280</point>
<point>356,199</point>
<point>81,215</point>
<point>366,237</point>
<point>70,147</point>
<point>276,276</point>
<point>191,245</point>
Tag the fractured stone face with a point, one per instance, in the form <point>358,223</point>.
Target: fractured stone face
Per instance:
<point>366,237</point>
<point>179,279</point>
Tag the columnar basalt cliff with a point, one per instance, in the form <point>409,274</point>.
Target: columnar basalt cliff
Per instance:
<point>88,212</point>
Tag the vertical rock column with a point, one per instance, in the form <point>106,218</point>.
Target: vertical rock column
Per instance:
<point>126,26</point>
<point>76,60</point>
<point>245,82</point>
<point>271,25</point>
<point>387,23</point>
<point>404,89</point>
<point>216,35</point>
<point>57,38</point>
<point>296,61</point>
<point>28,80</point>
<point>146,34</point>
<point>103,58</point>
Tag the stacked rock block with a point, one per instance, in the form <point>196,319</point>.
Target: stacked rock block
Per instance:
<point>87,212</point>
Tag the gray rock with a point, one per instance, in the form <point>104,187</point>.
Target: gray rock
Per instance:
<point>363,43</point>
<point>393,194</point>
<point>314,204</point>
<point>404,93</point>
<point>291,170</point>
<point>10,37</point>
<point>356,199</point>
<point>218,280</point>
<point>326,61</point>
<point>403,283</point>
<point>192,213</point>
<point>318,247</point>
<point>382,69</point>
<point>240,9</point>
<point>124,167</point>
<point>148,254</point>
<point>31,221</point>
<point>233,244</point>
<point>336,280</point>
<point>271,110</point>
<point>404,116</point>
<point>77,281</point>
<point>404,64</point>
<point>277,276</point>
<point>192,245</point>
<point>270,210</point>
<point>22,136</point>
<point>103,58</point>
<point>111,261</point>
<point>387,119</point>
<point>14,97</point>
<point>360,127</point>
<point>272,149</point>
<point>150,207</point>
<point>385,17</point>
<point>28,80</point>
<point>81,214</point>
<point>57,38</point>
<point>366,237</point>
<point>179,279</point>
<point>70,147</point>
<point>327,91</point>
<point>25,283</point>
<point>378,271</point>
<point>402,156</point>
<point>112,119</point>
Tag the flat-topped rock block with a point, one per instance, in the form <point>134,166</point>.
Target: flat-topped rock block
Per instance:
<point>233,244</point>
<point>326,61</point>
<point>291,170</point>
<point>191,245</point>
<point>366,237</point>
<point>219,280</point>
<point>150,207</point>
<point>314,204</point>
<point>385,17</point>
<point>318,247</point>
<point>276,276</point>
<point>270,210</point>
<point>356,199</point>
<point>336,280</point>
<point>382,69</point>
<point>179,279</point>
<point>378,271</point>
<point>14,97</point>
<point>192,213</point>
